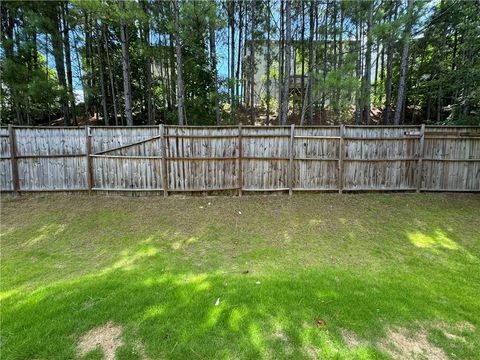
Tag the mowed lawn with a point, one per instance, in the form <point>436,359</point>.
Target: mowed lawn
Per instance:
<point>312,276</point>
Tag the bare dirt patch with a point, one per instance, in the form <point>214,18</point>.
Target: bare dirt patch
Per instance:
<point>465,326</point>
<point>454,331</point>
<point>403,346</point>
<point>107,337</point>
<point>350,338</point>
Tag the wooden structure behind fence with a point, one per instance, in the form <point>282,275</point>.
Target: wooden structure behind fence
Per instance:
<point>169,159</point>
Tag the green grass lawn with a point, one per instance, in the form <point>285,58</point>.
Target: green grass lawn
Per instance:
<point>327,276</point>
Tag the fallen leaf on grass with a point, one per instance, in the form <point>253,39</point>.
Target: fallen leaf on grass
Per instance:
<point>321,323</point>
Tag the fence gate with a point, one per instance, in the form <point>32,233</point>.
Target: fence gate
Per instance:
<point>126,161</point>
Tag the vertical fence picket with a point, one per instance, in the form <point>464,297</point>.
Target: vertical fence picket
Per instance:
<point>421,155</point>
<point>164,160</point>
<point>290,162</point>
<point>88,146</point>
<point>13,157</point>
<point>239,161</point>
<point>340,158</point>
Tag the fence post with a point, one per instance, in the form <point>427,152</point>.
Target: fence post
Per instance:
<point>240,165</point>
<point>420,159</point>
<point>13,159</point>
<point>340,159</point>
<point>164,160</point>
<point>88,145</point>
<point>290,163</point>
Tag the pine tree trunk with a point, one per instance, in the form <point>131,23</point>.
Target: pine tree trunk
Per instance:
<point>68,59</point>
<point>325,51</point>
<point>403,67</point>
<point>307,102</point>
<point>239,53</point>
<point>126,71</point>
<point>358,102</point>
<point>148,66</point>
<point>252,62</point>
<point>232,49</point>
<point>102,77</point>
<point>57,44</point>
<point>213,64</point>
<point>110,74</point>
<point>281,54</point>
<point>269,64</point>
<point>178,51</point>
<point>368,68</point>
<point>302,41</point>
<point>288,55</point>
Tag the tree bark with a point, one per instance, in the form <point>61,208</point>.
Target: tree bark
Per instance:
<point>288,55</point>
<point>178,51</point>
<point>368,68</point>
<point>126,71</point>
<point>232,49</point>
<point>110,74</point>
<point>57,44</point>
<point>307,101</point>
<point>239,53</point>
<point>213,64</point>
<point>68,59</point>
<point>252,62</point>
<point>403,66</point>
<point>269,64</point>
<point>102,77</point>
<point>281,54</point>
<point>148,65</point>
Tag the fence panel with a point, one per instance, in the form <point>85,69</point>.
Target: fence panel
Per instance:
<point>451,159</point>
<point>202,159</point>
<point>6,183</point>
<point>381,158</point>
<point>51,159</point>
<point>265,158</point>
<point>316,155</point>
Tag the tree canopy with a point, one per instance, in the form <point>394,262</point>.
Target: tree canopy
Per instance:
<point>118,62</point>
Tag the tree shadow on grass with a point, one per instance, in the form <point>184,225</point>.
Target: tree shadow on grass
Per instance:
<point>173,314</point>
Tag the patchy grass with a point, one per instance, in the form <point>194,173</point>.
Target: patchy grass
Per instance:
<point>387,275</point>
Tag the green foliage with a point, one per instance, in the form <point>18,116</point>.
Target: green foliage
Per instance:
<point>443,69</point>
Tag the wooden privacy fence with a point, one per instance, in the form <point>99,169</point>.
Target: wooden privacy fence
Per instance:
<point>240,158</point>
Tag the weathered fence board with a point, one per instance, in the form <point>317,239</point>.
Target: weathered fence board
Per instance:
<point>265,158</point>
<point>380,158</point>
<point>316,154</point>
<point>106,138</point>
<point>6,183</point>
<point>246,158</point>
<point>201,159</point>
<point>51,159</point>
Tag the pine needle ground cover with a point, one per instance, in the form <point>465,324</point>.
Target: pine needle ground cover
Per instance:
<point>327,276</point>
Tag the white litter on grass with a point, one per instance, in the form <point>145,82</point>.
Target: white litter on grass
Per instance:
<point>239,213</point>
<point>258,283</point>
<point>201,207</point>
<point>209,203</point>
<point>217,302</point>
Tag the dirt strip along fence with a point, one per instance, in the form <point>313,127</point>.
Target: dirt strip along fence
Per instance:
<point>169,159</point>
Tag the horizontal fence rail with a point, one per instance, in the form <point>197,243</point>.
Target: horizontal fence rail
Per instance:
<point>171,159</point>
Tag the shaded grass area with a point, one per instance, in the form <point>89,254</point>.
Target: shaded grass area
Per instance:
<point>363,263</point>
